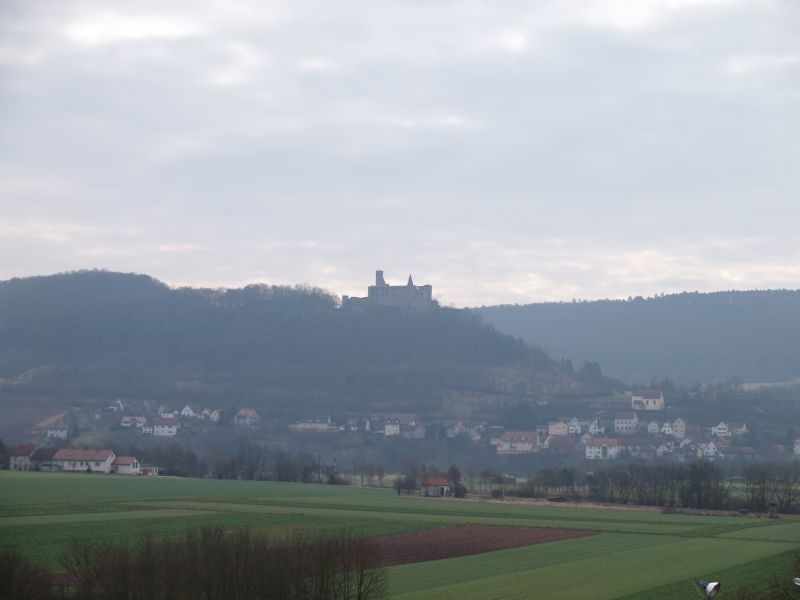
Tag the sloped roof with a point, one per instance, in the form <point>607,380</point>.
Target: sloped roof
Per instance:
<point>78,454</point>
<point>124,460</point>
<point>23,450</point>
<point>434,481</point>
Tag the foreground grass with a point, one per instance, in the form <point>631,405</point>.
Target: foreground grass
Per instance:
<point>637,555</point>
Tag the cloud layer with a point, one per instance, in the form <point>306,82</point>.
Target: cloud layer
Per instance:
<point>502,151</point>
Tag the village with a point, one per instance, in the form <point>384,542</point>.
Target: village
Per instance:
<point>647,429</point>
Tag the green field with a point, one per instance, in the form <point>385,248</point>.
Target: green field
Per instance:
<point>636,555</point>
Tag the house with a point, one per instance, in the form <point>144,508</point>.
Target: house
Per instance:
<point>118,406</point>
<point>679,428</point>
<point>435,487</point>
<point>667,429</point>
<point>721,430</point>
<point>127,465</point>
<point>738,429</point>
<point>626,422</point>
<point>246,417</point>
<point>596,428</point>
<point>73,459</point>
<point>602,449</point>
<point>191,411</point>
<point>20,459</point>
<point>647,400</point>
<point>653,427</point>
<point>557,428</point>
<point>57,432</point>
<point>212,415</point>
<point>708,450</point>
<point>317,426</point>
<point>392,428</point>
<point>665,449</point>
<point>165,427</point>
<point>166,413</point>
<point>516,442</point>
<point>132,421</point>
<point>574,427</point>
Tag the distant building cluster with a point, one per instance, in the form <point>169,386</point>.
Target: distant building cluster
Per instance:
<point>632,436</point>
<point>401,296</point>
<point>29,457</point>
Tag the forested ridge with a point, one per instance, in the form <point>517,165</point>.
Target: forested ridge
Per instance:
<point>98,334</point>
<point>688,337</point>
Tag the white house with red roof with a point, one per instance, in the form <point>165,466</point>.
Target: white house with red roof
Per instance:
<point>127,465</point>
<point>602,448</point>
<point>246,417</point>
<point>435,487</point>
<point>75,459</point>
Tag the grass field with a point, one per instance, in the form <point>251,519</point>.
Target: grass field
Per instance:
<point>636,555</point>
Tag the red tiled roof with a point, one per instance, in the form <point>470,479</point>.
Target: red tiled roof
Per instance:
<point>248,412</point>
<point>77,454</point>
<point>124,460</point>
<point>434,481</point>
<point>23,450</point>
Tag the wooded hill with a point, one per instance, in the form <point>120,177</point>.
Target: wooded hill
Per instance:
<point>96,334</point>
<point>689,337</point>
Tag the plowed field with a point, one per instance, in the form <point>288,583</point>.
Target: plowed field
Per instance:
<point>462,540</point>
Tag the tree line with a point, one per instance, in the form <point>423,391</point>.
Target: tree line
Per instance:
<point>208,563</point>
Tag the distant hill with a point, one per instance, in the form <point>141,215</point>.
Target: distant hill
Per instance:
<point>689,337</point>
<point>97,334</point>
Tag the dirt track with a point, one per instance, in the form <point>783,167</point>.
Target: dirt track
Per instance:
<point>462,540</point>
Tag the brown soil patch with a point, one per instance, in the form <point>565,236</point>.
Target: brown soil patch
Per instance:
<point>462,540</point>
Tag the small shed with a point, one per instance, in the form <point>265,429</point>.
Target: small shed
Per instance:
<point>435,487</point>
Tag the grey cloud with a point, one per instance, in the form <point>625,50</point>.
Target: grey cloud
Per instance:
<point>503,151</point>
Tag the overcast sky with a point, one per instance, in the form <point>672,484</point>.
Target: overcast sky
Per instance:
<point>501,151</point>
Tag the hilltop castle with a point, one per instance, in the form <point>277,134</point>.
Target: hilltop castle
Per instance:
<point>383,294</point>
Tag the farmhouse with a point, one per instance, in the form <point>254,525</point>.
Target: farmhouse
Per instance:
<point>667,429</point>
<point>653,427</point>
<point>127,465</point>
<point>73,459</point>
<point>679,428</point>
<point>435,487</point>
<point>721,430</point>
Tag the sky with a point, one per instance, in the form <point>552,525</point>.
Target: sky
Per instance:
<point>504,152</point>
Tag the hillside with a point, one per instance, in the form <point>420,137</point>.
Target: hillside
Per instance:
<point>97,334</point>
<point>689,337</point>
